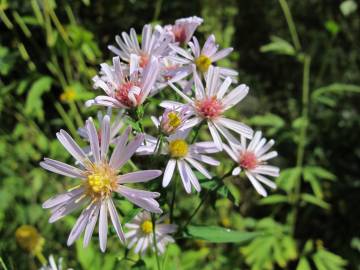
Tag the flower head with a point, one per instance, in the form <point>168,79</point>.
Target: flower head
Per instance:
<point>252,159</point>
<point>100,179</point>
<point>183,29</point>
<point>125,87</point>
<point>153,44</point>
<point>141,233</point>
<point>210,103</point>
<point>183,155</point>
<point>29,239</point>
<point>171,120</point>
<point>203,58</point>
<point>114,129</point>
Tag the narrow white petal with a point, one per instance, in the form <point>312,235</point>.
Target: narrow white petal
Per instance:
<point>236,171</point>
<point>259,188</point>
<point>235,96</point>
<point>105,136</point>
<point>199,167</point>
<point>91,224</point>
<point>139,176</point>
<point>115,220</point>
<point>236,126</point>
<point>215,135</point>
<point>169,171</point>
<point>103,226</point>
<point>184,176</point>
<point>93,139</point>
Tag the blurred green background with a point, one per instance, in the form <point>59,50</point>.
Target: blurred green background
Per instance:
<point>304,93</point>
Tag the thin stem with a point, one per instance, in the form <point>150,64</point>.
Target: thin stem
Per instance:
<point>302,137</point>
<point>76,114</point>
<point>154,240</point>
<point>41,258</point>
<point>208,192</point>
<point>158,145</point>
<point>172,204</point>
<point>67,120</point>
<point>196,132</point>
<point>3,264</point>
<point>290,22</point>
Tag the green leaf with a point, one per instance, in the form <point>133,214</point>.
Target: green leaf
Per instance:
<point>278,46</point>
<point>332,27</point>
<point>320,172</point>
<point>34,104</point>
<point>274,199</point>
<point>315,201</point>
<point>303,264</point>
<point>217,234</point>
<point>335,88</point>
<point>288,178</point>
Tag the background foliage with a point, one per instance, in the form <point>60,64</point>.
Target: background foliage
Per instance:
<point>304,93</point>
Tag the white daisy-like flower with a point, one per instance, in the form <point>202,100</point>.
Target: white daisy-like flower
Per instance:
<point>171,120</point>
<point>183,29</point>
<point>203,58</point>
<point>100,178</point>
<point>252,159</point>
<point>141,233</point>
<point>125,87</point>
<point>182,155</point>
<point>152,44</point>
<point>210,104</point>
<point>53,265</point>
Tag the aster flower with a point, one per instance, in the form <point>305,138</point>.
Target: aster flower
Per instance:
<point>114,129</point>
<point>152,44</point>
<point>99,180</point>
<point>203,58</point>
<point>171,120</point>
<point>53,265</point>
<point>183,29</point>
<point>125,87</point>
<point>141,233</point>
<point>211,103</point>
<point>182,155</point>
<point>252,159</point>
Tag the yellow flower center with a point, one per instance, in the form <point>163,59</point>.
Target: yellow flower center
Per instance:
<point>101,181</point>
<point>174,119</point>
<point>178,148</point>
<point>147,226</point>
<point>68,95</point>
<point>29,239</point>
<point>203,63</point>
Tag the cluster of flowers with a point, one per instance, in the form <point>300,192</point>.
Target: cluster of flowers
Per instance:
<point>167,56</point>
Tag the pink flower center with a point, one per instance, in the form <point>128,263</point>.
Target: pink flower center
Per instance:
<point>144,60</point>
<point>180,34</point>
<point>209,107</point>
<point>122,94</point>
<point>248,160</point>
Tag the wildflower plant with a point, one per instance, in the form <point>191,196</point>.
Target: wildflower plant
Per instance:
<point>168,65</point>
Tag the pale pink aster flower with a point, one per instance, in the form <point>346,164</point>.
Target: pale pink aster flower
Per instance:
<point>210,104</point>
<point>252,159</point>
<point>182,155</point>
<point>171,120</point>
<point>114,128</point>
<point>141,233</point>
<point>183,29</point>
<point>170,72</point>
<point>203,58</point>
<point>152,44</point>
<point>100,178</point>
<point>125,87</point>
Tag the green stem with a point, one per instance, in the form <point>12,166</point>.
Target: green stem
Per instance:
<point>67,120</point>
<point>196,132</point>
<point>302,137</point>
<point>290,22</point>
<point>154,240</point>
<point>158,145</point>
<point>76,114</point>
<point>208,192</point>
<point>41,258</point>
<point>172,204</point>
<point>3,264</point>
